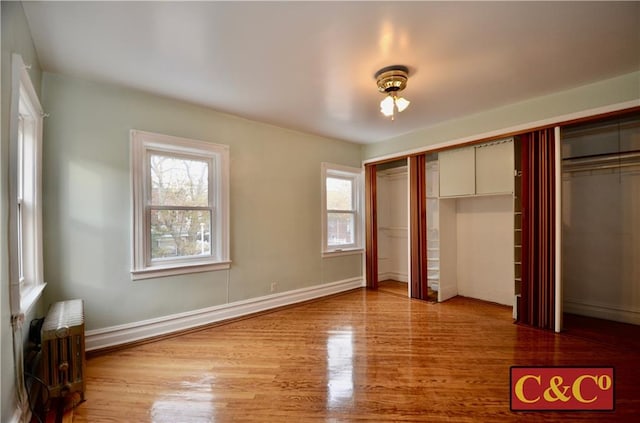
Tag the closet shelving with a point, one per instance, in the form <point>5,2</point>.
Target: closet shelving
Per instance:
<point>433,222</point>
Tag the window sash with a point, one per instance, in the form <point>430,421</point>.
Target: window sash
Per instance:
<point>342,245</point>
<point>20,161</point>
<point>352,182</point>
<point>19,240</point>
<point>180,258</point>
<point>332,211</point>
<point>211,164</point>
<point>19,202</point>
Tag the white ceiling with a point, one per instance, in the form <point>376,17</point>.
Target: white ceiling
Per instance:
<point>310,65</point>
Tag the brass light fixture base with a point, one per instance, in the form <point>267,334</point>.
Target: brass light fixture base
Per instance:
<point>392,78</point>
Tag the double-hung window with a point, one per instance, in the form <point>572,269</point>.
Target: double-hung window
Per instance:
<point>181,203</point>
<point>342,209</point>
<point>25,187</point>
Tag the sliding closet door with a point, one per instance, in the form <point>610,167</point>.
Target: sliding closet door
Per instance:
<point>371,226</point>
<point>418,226</point>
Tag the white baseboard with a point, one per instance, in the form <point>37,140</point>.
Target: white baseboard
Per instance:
<point>400,277</point>
<point>602,311</point>
<point>136,331</point>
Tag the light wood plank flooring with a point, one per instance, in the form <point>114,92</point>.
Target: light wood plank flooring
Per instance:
<point>360,356</point>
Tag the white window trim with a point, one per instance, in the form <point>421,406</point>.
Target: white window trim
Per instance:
<point>141,143</point>
<point>25,292</point>
<point>328,170</point>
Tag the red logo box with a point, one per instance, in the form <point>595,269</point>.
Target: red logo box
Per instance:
<point>562,389</point>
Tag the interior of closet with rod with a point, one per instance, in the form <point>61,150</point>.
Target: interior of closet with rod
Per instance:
<point>601,219</point>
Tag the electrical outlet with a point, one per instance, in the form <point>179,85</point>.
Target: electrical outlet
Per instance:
<point>274,285</point>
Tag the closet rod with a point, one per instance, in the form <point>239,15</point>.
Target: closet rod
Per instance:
<point>601,162</point>
<point>607,156</point>
<point>598,167</point>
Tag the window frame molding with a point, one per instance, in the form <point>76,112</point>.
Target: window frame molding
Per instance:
<point>25,289</point>
<point>356,175</point>
<point>141,144</point>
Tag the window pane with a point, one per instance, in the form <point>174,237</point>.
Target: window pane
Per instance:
<point>179,182</point>
<point>180,233</point>
<point>20,236</point>
<point>339,194</point>
<point>20,194</point>
<point>340,229</point>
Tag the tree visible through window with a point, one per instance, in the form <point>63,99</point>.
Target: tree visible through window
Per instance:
<point>180,212</point>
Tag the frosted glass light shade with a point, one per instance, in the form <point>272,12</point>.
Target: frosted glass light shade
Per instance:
<point>386,106</point>
<point>402,103</point>
<point>391,103</point>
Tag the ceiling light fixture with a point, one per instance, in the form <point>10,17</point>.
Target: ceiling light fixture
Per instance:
<point>391,80</point>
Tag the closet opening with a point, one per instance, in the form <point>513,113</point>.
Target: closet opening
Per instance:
<point>392,189</point>
<point>435,217</point>
<point>476,221</point>
<point>601,228</point>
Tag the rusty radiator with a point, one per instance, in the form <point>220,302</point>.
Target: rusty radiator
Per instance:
<point>63,355</point>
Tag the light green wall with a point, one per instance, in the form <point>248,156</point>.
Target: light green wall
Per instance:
<point>275,203</point>
<point>611,91</point>
<point>16,38</point>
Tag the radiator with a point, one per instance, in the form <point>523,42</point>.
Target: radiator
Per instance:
<point>63,355</point>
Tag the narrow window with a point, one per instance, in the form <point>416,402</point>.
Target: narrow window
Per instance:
<point>342,214</point>
<point>25,192</point>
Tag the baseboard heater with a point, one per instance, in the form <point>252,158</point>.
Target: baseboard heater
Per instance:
<point>63,350</point>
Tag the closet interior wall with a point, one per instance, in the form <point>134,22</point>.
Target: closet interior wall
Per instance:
<point>392,203</point>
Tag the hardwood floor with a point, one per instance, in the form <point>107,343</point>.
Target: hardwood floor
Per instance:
<point>622,335</point>
<point>394,287</point>
<point>402,289</point>
<point>360,356</point>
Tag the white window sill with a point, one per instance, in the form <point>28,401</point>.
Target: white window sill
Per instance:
<point>342,252</point>
<point>159,272</point>
<point>30,298</point>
